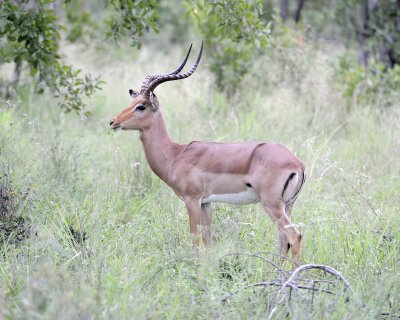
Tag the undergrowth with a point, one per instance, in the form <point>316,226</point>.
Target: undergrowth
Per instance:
<point>103,237</point>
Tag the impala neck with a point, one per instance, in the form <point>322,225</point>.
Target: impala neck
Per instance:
<point>158,147</point>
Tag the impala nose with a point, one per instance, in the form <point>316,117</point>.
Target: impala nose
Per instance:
<point>113,124</point>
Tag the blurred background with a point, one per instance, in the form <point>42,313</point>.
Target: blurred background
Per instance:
<point>361,37</point>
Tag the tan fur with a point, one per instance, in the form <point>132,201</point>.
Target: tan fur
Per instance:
<point>200,169</point>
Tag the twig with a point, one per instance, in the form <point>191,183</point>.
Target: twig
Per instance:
<point>254,255</point>
<point>292,284</point>
<point>279,284</point>
<point>313,288</point>
<point>326,269</point>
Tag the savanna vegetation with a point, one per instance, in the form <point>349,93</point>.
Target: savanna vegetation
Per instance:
<point>87,231</point>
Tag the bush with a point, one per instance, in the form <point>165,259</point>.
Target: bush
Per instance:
<point>32,35</point>
<point>233,31</point>
<point>368,85</point>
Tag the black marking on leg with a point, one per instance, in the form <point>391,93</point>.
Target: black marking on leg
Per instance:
<point>287,182</point>
<point>249,185</point>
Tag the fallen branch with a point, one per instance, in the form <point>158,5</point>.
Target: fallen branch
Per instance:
<point>294,281</point>
<point>276,284</point>
<point>291,282</point>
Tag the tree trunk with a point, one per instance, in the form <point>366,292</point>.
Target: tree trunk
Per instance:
<point>364,33</point>
<point>386,51</point>
<point>297,13</point>
<point>283,9</point>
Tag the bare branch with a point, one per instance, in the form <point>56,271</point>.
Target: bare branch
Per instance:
<point>254,255</point>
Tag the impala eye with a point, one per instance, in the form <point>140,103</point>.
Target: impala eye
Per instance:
<point>140,107</point>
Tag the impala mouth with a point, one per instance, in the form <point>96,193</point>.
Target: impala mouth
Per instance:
<point>115,128</point>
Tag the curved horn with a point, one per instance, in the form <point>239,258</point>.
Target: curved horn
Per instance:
<point>149,79</point>
<point>153,83</point>
<point>184,62</point>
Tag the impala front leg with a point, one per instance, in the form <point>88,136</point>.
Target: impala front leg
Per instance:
<point>206,220</point>
<point>193,207</point>
<point>199,215</point>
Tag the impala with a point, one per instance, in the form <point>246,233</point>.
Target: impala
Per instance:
<point>204,172</point>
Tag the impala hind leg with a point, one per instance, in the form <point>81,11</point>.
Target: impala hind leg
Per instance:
<point>288,209</point>
<point>289,236</point>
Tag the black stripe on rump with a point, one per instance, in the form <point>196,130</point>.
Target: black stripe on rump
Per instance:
<point>287,182</point>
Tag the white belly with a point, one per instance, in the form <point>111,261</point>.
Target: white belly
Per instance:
<point>245,197</point>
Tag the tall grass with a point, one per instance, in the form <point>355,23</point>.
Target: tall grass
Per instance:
<point>107,239</point>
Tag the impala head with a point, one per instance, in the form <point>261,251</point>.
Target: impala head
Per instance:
<point>144,106</point>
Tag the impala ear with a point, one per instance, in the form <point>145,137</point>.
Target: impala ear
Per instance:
<point>154,101</point>
<point>133,93</point>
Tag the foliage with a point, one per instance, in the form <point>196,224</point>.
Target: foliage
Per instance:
<point>372,84</point>
<point>233,31</point>
<point>69,87</point>
<point>81,22</point>
<point>30,34</point>
<point>132,18</point>
<point>375,21</point>
<point>177,27</point>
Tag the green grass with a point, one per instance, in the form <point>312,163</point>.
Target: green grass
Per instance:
<point>107,239</point>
